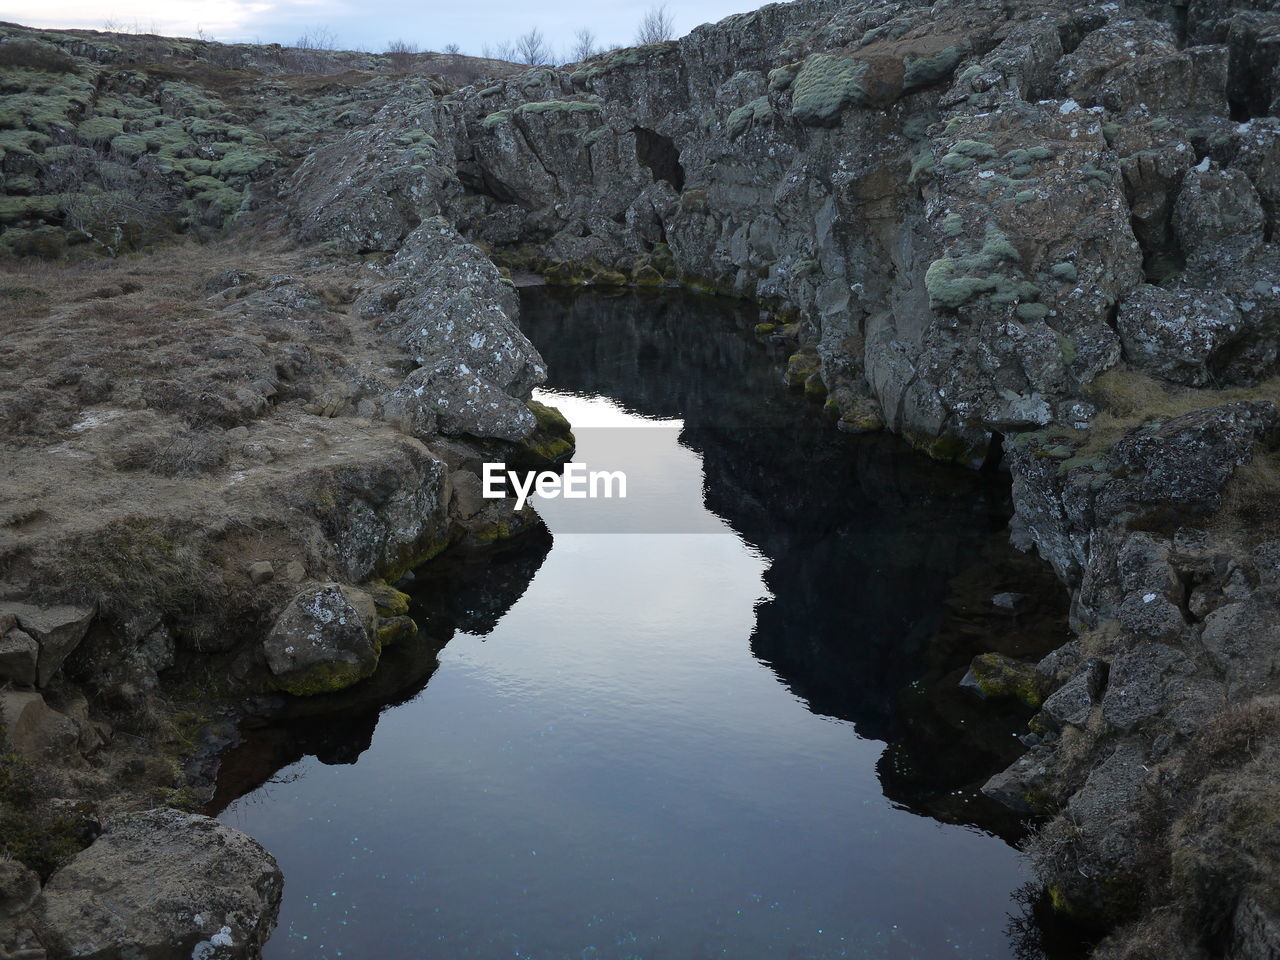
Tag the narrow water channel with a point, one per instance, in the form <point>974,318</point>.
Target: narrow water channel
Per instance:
<point>718,718</point>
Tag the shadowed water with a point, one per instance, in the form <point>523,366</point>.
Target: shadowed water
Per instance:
<point>672,743</point>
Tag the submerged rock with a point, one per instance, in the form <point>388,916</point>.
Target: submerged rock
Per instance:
<point>162,885</point>
<point>995,675</point>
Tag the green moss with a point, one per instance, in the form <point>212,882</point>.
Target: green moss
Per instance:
<point>1032,311</point>
<point>922,167</point>
<point>998,676</point>
<point>327,677</point>
<point>389,601</point>
<point>952,225</point>
<point>551,442</point>
<point>393,630</point>
<point>764,329</point>
<point>496,118</point>
<point>782,78</point>
<point>740,120</point>
<point>1066,272</point>
<point>825,85</point>
<point>99,129</point>
<point>956,162</point>
<point>556,107</point>
<point>923,71</point>
<point>996,246</point>
<point>492,91</point>
<point>948,289</point>
<point>800,367</point>
<point>17,209</point>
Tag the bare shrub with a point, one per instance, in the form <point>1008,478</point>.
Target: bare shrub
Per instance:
<point>402,55</point>
<point>35,56</point>
<point>188,451</point>
<point>532,49</point>
<point>108,199</point>
<point>307,55</point>
<point>452,49</point>
<point>658,25</point>
<point>584,45</point>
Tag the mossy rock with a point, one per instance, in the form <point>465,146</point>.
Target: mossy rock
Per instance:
<point>388,601</point>
<point>100,129</point>
<point>824,86</point>
<point>995,676</point>
<point>800,367</point>
<point>646,276</point>
<point>321,678</point>
<point>551,442</point>
<point>393,630</point>
<point>928,70</point>
<point>565,274</point>
<point>764,329</point>
<point>747,116</point>
<point>554,107</point>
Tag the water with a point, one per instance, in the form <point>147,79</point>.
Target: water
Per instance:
<point>672,743</point>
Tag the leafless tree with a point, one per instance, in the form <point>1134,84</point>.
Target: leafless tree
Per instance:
<point>308,52</point>
<point>452,48</point>
<point>402,54</point>
<point>506,51</point>
<point>532,48</point>
<point>657,25</point>
<point>317,38</point>
<point>584,45</point>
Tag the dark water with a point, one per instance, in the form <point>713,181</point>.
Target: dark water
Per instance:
<point>725,724</point>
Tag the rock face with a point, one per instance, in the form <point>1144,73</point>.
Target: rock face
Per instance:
<point>162,884</point>
<point>325,640</point>
<point>954,198</point>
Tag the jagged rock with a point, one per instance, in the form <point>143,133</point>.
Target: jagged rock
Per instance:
<point>1020,787</point>
<point>324,640</point>
<point>1218,216</point>
<point>1187,460</point>
<point>1141,682</point>
<point>1150,616</point>
<point>58,631</point>
<point>1241,640</point>
<point>1178,334</point>
<point>162,884</point>
<point>1073,702</point>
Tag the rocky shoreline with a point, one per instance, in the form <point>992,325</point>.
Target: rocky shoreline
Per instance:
<point>1042,236</point>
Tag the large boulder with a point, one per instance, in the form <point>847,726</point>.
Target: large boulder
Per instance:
<point>324,640</point>
<point>1178,334</point>
<point>57,630</point>
<point>36,730</point>
<point>158,885</point>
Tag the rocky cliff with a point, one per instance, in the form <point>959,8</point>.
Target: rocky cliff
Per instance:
<point>1038,234</point>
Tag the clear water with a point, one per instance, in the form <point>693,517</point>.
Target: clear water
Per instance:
<point>665,744</point>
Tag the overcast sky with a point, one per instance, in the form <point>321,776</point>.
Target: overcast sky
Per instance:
<point>370,24</point>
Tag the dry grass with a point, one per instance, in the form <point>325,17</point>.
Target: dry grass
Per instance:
<point>1128,398</point>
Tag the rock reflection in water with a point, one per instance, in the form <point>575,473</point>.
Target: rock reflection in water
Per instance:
<point>850,526</point>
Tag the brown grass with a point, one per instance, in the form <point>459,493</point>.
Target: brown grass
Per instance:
<point>1128,398</point>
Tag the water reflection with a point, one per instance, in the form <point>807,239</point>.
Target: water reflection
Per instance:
<point>668,745</point>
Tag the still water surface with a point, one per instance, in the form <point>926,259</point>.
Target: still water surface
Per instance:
<point>671,744</point>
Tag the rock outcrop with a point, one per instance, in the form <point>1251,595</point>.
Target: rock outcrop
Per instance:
<point>162,884</point>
